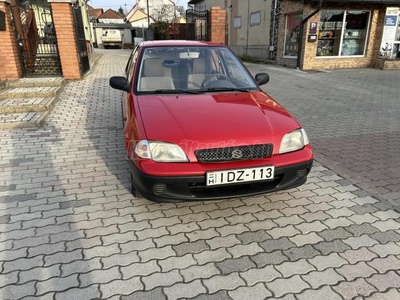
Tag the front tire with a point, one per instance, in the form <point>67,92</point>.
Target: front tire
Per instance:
<point>134,192</point>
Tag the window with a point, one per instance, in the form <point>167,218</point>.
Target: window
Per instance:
<point>390,44</point>
<point>292,32</point>
<point>396,45</point>
<point>343,33</point>
<point>237,22</point>
<point>131,63</point>
<point>255,18</point>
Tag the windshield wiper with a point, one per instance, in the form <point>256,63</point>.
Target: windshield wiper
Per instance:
<point>224,89</point>
<point>171,91</point>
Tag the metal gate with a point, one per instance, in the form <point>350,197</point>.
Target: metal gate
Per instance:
<point>83,55</point>
<point>197,25</point>
<point>36,38</point>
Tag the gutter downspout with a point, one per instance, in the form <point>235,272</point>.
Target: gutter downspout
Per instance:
<point>272,38</point>
<point>302,30</point>
<point>248,25</point>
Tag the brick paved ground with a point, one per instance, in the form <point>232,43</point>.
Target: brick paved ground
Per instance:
<point>353,119</point>
<point>70,229</point>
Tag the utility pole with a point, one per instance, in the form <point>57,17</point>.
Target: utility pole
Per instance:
<point>148,14</point>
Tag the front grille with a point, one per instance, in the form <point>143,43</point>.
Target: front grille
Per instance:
<point>234,153</point>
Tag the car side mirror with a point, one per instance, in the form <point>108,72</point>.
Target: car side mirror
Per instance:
<point>119,83</point>
<point>262,78</point>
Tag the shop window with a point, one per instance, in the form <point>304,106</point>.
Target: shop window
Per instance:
<point>343,33</point>
<point>396,48</point>
<point>292,34</point>
<point>255,18</point>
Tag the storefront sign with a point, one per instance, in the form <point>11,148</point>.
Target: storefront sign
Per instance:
<point>390,20</point>
<point>313,27</point>
<point>312,37</point>
<point>389,31</point>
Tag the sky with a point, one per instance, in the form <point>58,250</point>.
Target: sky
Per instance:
<point>115,4</point>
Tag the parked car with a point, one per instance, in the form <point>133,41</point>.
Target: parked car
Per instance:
<point>197,126</point>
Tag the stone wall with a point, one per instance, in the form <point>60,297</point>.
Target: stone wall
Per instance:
<point>387,64</point>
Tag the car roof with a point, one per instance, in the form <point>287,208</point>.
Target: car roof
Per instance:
<point>178,43</point>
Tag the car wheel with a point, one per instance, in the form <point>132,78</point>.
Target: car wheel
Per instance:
<point>135,193</point>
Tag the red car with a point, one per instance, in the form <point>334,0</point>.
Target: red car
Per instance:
<point>197,126</point>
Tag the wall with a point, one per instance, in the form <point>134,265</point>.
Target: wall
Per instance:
<point>86,22</point>
<point>250,40</point>
<point>10,66</point>
<point>309,60</point>
<point>217,25</point>
<point>67,46</point>
<point>114,21</point>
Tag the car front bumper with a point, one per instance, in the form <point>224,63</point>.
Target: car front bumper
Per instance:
<point>185,188</point>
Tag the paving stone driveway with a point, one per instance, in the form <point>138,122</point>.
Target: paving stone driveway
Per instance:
<point>353,119</point>
<point>70,229</point>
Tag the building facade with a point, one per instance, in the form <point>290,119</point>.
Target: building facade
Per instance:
<point>339,34</point>
<point>249,24</point>
<point>164,9</point>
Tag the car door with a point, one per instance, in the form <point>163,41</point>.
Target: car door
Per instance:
<point>128,109</point>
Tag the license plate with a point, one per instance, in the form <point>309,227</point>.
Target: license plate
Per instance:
<point>240,175</point>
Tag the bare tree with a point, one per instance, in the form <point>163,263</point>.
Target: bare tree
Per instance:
<point>181,10</point>
<point>163,13</point>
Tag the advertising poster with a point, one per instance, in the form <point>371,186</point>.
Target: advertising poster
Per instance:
<point>389,32</point>
<point>292,34</point>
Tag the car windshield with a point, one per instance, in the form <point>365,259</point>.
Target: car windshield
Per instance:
<point>192,70</point>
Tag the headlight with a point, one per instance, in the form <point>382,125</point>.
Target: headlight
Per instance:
<point>160,151</point>
<point>293,141</point>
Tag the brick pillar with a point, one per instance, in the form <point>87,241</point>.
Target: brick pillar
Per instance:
<point>10,64</point>
<point>63,20</point>
<point>217,25</point>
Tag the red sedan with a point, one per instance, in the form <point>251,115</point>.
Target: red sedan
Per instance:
<point>197,126</point>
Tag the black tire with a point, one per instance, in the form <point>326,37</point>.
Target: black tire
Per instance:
<point>134,192</point>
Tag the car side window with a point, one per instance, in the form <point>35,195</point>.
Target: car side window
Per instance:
<point>131,63</point>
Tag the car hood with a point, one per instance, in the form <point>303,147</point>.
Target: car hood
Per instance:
<point>215,120</point>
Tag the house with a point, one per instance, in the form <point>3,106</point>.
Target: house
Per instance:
<point>94,13</point>
<point>110,20</point>
<point>164,10</point>
<point>111,16</point>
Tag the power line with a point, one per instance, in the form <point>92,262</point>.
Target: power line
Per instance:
<point>96,4</point>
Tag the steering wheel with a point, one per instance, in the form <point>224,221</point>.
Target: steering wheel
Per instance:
<point>195,84</point>
<point>203,84</point>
